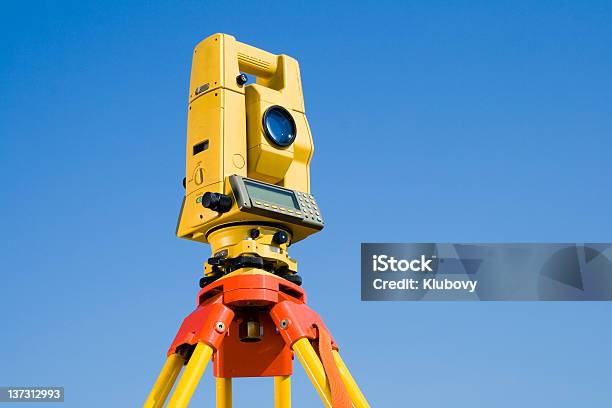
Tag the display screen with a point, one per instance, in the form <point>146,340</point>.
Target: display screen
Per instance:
<point>271,195</point>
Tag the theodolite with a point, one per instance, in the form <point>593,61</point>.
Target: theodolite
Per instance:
<point>247,194</point>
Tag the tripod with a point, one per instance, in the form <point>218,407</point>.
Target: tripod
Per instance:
<point>251,322</point>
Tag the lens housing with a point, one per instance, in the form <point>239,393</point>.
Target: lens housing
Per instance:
<point>279,126</point>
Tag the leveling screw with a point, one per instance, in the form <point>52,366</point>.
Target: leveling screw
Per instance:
<point>280,237</point>
<point>220,327</point>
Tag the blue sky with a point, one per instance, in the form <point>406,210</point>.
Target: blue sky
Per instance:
<point>442,122</point>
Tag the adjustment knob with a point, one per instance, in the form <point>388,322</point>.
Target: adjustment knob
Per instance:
<point>241,79</point>
<point>217,202</point>
<point>280,237</point>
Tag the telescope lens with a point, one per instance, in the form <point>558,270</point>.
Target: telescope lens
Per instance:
<point>279,126</point>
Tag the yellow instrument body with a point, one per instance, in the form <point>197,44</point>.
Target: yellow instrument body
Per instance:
<point>225,134</point>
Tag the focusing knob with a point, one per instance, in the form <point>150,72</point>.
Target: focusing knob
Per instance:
<point>280,237</point>
<point>217,202</point>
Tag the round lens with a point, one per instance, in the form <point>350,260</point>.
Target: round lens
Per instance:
<point>279,126</point>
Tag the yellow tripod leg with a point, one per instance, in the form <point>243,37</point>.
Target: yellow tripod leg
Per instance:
<point>191,377</point>
<point>282,391</point>
<point>164,382</point>
<point>314,368</point>
<point>354,392</point>
<point>224,392</point>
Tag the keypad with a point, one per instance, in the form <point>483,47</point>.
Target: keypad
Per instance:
<point>309,208</point>
<point>309,211</point>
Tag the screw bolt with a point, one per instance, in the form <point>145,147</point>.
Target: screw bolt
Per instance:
<point>220,327</point>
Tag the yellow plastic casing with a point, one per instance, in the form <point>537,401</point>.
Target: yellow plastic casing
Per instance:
<point>225,134</point>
